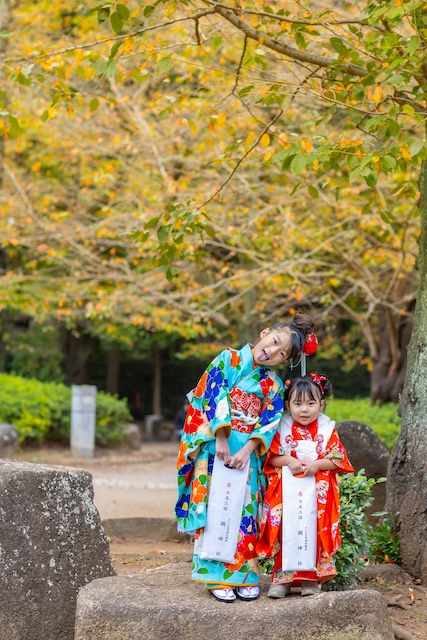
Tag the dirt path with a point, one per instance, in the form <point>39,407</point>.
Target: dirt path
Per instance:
<point>126,483</point>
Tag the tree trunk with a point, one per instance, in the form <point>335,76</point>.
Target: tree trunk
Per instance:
<point>77,350</point>
<point>389,366</point>
<point>113,371</point>
<point>407,471</point>
<point>157,382</point>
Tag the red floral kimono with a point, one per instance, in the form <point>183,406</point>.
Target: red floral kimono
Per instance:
<point>328,505</point>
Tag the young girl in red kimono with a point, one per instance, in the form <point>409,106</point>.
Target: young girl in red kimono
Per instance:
<point>306,445</point>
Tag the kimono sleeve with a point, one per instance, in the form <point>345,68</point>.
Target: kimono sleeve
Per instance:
<point>275,449</point>
<point>271,412</point>
<point>211,397</point>
<point>335,451</point>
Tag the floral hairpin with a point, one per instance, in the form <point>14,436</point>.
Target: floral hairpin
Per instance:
<point>319,380</point>
<point>310,345</point>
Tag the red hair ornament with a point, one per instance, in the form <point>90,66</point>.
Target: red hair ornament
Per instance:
<point>310,346</point>
<point>319,380</point>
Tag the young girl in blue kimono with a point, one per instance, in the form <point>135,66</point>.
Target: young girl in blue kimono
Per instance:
<point>233,415</point>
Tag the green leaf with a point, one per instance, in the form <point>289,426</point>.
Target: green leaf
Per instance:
<point>354,173</point>
<point>27,70</point>
<point>409,109</point>
<point>103,14</point>
<point>203,571</point>
<point>21,79</point>
<point>111,67</point>
<point>313,191</point>
<point>94,104</point>
<point>123,11</point>
<point>416,147</point>
<point>152,222</point>
<point>171,273</point>
<point>287,161</point>
<point>244,91</point>
<point>371,179</point>
<point>116,22</point>
<point>280,155</point>
<point>165,64</point>
<point>300,41</point>
<point>216,42</point>
<point>100,68</point>
<point>116,46</point>
<point>338,45</point>
<point>163,233</point>
<point>148,10</point>
<point>388,162</point>
<point>297,164</point>
<point>413,44</point>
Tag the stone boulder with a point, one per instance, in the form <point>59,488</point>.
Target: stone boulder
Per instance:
<point>164,603</point>
<point>133,436</point>
<point>8,440</point>
<point>51,543</point>
<point>366,451</point>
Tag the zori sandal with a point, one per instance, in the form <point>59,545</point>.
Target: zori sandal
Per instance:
<point>223,595</point>
<point>247,593</point>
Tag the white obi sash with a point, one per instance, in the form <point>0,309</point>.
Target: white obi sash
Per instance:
<point>226,498</point>
<point>299,518</point>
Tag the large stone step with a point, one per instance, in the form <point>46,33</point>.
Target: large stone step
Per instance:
<point>164,604</point>
<point>51,543</point>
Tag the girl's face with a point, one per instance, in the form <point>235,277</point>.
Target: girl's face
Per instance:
<point>272,347</point>
<point>304,409</point>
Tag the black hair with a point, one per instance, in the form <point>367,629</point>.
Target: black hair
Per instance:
<point>307,385</point>
<point>300,328</point>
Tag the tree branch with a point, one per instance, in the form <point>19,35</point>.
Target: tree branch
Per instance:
<point>283,18</point>
<point>123,36</point>
<point>280,47</point>
<point>233,171</point>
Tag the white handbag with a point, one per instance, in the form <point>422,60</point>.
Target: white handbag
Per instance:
<point>224,513</point>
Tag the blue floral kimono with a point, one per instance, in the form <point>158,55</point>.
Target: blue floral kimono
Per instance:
<point>247,401</point>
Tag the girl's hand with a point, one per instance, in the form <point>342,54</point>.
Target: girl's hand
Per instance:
<point>295,466</point>
<point>222,448</point>
<point>240,458</point>
<point>311,468</point>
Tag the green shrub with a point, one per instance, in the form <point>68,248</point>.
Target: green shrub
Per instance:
<point>42,410</point>
<point>382,419</point>
<point>385,543</point>
<point>355,497</point>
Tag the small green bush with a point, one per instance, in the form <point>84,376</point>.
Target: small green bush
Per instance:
<point>385,543</point>
<point>382,419</point>
<point>42,411</point>
<point>355,498</point>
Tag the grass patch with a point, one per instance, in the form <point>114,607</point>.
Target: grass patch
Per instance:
<point>382,419</point>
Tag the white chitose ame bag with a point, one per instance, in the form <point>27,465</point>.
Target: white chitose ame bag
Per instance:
<point>226,498</point>
<point>299,519</point>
